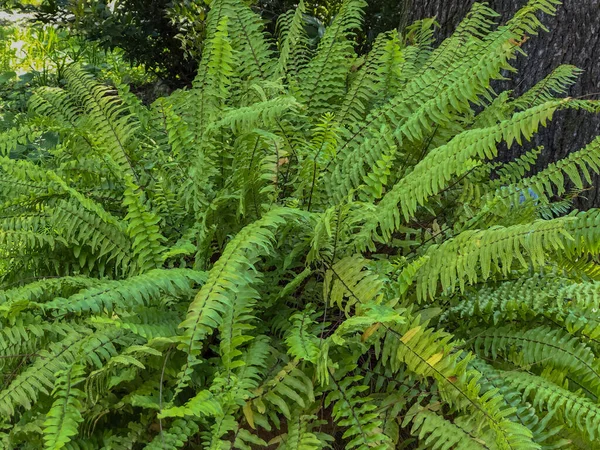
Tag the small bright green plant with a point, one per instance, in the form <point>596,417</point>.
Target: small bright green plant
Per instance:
<point>40,54</point>
<point>305,250</point>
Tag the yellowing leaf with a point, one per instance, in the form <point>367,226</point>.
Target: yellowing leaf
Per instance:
<point>434,359</point>
<point>275,440</point>
<point>410,334</point>
<point>249,414</point>
<point>369,331</point>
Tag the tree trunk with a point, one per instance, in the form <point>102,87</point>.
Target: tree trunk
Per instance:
<point>574,38</point>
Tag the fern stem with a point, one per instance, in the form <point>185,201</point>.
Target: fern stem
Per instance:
<point>160,396</point>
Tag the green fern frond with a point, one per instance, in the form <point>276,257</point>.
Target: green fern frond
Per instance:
<point>389,72</point>
<point>57,104</point>
<point>107,241</point>
<point>545,347</point>
<point>143,229</point>
<point>434,431</point>
<point>557,82</point>
<point>301,342</point>
<point>176,436</point>
<point>13,137</point>
<point>429,353</point>
<point>364,85</point>
<point>301,434</point>
<point>64,417</point>
<point>114,127</point>
<point>39,377</point>
<point>211,86</point>
<point>293,41</point>
<point>356,414</point>
<point>346,283</point>
<point>288,390</point>
<point>237,322</point>
<point>514,171</point>
<point>203,404</point>
<point>559,300</point>
<point>551,180</point>
<point>574,409</point>
<point>478,254</point>
<point>234,268</point>
<point>250,43</point>
<point>149,323</point>
<point>263,113</point>
<point>138,290</point>
<point>434,172</point>
<point>321,83</point>
<point>233,272</point>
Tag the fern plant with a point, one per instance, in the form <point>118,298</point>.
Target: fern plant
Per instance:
<point>306,249</point>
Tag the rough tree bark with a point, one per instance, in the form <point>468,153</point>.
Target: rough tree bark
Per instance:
<point>574,38</point>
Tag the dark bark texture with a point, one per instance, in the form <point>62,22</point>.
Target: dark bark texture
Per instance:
<point>574,38</point>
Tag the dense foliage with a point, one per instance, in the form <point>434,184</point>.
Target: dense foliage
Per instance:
<point>305,250</point>
<point>167,35</point>
<point>34,55</point>
<point>149,32</point>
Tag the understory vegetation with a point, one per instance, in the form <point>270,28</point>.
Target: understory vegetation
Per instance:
<point>306,249</point>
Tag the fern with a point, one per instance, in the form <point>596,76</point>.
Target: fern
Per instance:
<point>308,247</point>
<point>321,82</point>
<point>436,432</point>
<point>64,416</point>
<point>238,258</point>
<point>570,407</point>
<point>143,230</point>
<point>557,350</point>
<point>356,414</point>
